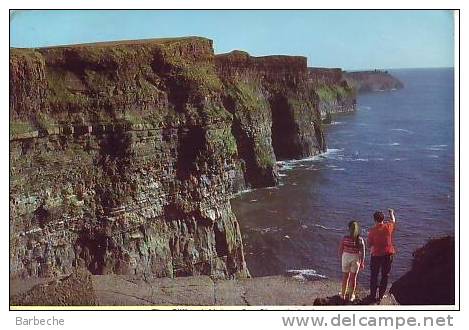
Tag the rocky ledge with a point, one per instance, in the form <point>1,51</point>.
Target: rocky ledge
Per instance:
<point>124,155</point>
<point>431,280</point>
<point>84,289</point>
<point>372,81</point>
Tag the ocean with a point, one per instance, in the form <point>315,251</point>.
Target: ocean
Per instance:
<point>396,151</point>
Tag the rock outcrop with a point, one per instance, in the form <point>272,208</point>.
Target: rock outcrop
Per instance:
<point>124,155</point>
<point>431,280</point>
<point>372,81</point>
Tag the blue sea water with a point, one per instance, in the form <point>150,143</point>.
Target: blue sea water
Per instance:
<point>396,150</point>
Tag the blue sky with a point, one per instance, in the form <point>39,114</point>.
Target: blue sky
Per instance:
<point>347,39</point>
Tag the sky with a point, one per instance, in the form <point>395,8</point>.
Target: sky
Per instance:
<point>351,40</point>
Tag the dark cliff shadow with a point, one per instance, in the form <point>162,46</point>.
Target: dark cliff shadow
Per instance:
<point>284,128</point>
<point>191,144</point>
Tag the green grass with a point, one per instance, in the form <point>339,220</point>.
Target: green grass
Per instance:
<point>247,94</point>
<point>223,139</point>
<point>332,93</point>
<point>20,127</point>
<point>264,158</point>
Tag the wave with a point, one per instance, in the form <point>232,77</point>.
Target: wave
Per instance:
<point>402,130</point>
<point>437,147</point>
<point>339,169</point>
<point>394,144</point>
<point>242,192</point>
<point>327,228</point>
<point>305,274</point>
<point>337,123</point>
<point>364,107</point>
<point>290,164</point>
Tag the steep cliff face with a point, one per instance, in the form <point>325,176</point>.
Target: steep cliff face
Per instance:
<point>124,155</point>
<point>372,81</point>
<point>334,92</point>
<point>275,111</point>
<point>122,160</point>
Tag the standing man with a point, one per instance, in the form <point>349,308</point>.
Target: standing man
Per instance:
<point>380,241</point>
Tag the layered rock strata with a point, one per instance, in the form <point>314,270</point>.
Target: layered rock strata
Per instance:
<point>124,155</point>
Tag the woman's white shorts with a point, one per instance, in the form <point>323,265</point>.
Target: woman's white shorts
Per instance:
<point>350,262</point>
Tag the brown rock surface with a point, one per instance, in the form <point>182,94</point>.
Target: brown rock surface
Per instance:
<point>121,290</point>
<point>72,290</point>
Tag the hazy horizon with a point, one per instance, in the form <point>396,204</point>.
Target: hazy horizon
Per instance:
<point>354,39</point>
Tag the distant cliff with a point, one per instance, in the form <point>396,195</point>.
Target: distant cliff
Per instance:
<point>372,81</point>
<point>335,93</point>
<point>124,155</point>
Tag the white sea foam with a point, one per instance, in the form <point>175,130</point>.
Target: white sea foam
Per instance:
<point>339,169</point>
<point>337,123</point>
<point>326,228</point>
<point>266,230</point>
<point>364,107</point>
<point>243,192</point>
<point>305,274</point>
<point>402,130</point>
<point>394,144</point>
<point>290,164</point>
<point>437,147</point>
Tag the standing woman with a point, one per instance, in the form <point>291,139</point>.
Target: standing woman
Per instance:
<point>352,252</point>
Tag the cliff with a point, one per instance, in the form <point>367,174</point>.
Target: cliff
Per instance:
<point>274,108</point>
<point>124,155</point>
<point>335,94</point>
<point>372,81</point>
<point>431,280</point>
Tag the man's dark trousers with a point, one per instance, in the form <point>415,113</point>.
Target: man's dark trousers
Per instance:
<point>378,263</point>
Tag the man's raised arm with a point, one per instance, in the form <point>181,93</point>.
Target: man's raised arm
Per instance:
<point>392,216</point>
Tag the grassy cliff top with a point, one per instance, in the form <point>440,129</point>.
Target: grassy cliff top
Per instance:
<point>152,41</point>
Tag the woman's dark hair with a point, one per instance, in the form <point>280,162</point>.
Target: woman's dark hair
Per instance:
<point>354,230</point>
<point>378,216</point>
